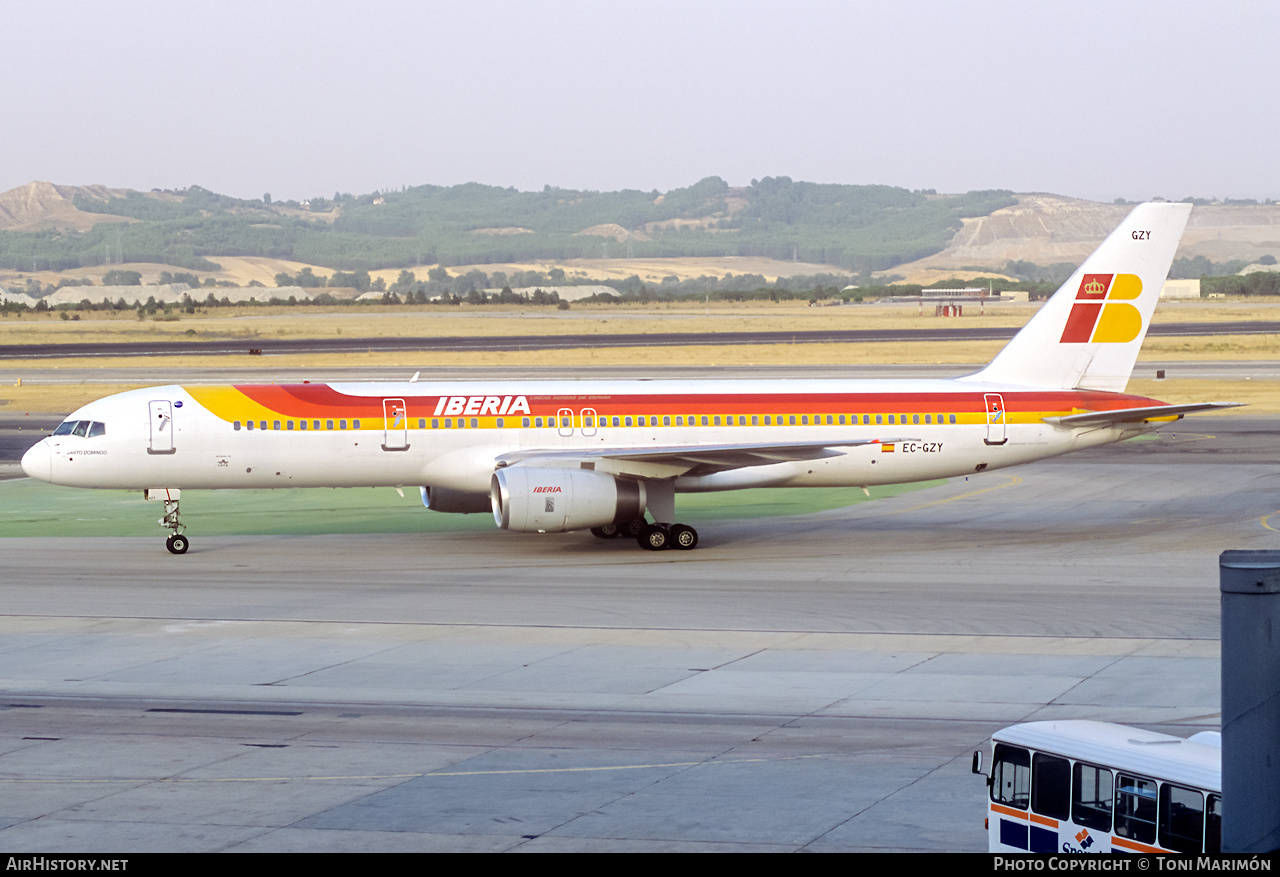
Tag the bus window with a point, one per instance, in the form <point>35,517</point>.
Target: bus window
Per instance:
<point>1051,786</point>
<point>1136,808</point>
<point>1091,797</point>
<point>1181,819</point>
<point>1011,776</point>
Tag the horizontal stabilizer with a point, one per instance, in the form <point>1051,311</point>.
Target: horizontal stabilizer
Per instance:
<point>1137,415</point>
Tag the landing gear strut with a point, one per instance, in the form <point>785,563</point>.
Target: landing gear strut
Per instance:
<point>176,543</point>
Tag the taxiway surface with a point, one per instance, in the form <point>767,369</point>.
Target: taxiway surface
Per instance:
<point>814,682</point>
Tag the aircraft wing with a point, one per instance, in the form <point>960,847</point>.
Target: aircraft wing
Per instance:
<point>1133,415</point>
<point>675,460</point>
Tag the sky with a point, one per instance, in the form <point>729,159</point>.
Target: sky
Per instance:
<point>1097,100</point>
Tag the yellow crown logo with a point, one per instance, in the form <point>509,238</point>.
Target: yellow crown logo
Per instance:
<point>1094,287</point>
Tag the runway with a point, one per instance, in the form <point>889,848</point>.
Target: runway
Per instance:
<point>815,682</point>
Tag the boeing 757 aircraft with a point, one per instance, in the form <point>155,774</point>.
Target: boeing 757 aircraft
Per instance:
<point>550,457</point>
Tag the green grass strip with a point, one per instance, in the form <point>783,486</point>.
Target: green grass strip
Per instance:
<point>33,508</point>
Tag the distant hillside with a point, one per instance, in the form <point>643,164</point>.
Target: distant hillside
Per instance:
<point>856,228</point>
<point>1047,229</point>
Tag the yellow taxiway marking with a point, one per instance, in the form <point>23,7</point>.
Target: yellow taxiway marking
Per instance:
<point>1265,518</point>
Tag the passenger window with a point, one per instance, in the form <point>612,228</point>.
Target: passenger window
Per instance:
<point>538,422</point>
<point>879,419</point>
<point>679,420</point>
<point>842,419</point>
<point>1091,796</point>
<point>616,421</point>
<point>422,423</point>
<point>302,424</point>
<point>1011,776</point>
<point>249,424</point>
<point>791,421</point>
<point>1181,819</point>
<point>1051,786</point>
<point>275,424</point>
<point>474,423</point>
<point>315,424</point>
<point>96,429</point>
<point>262,424</point>
<point>928,418</point>
<point>704,420</point>
<point>952,419</point>
<point>755,420</point>
<point>236,426</point>
<point>866,418</point>
<point>501,423</point>
<point>448,423</point>
<point>1136,808</point>
<point>435,422</point>
<point>342,424</point>
<point>666,421</point>
<point>355,424</point>
<point>588,421</point>
<point>640,421</point>
<point>915,418</point>
<point>804,419</point>
<point>523,422</point>
<point>328,424</point>
<point>288,424</point>
<point>829,419</point>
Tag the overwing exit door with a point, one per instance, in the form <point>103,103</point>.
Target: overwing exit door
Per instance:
<point>395,424</point>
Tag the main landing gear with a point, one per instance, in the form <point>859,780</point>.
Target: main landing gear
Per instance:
<point>654,537</point>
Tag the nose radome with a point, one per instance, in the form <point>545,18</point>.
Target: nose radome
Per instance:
<point>37,462</point>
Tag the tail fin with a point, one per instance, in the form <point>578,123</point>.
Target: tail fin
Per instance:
<point>1088,334</point>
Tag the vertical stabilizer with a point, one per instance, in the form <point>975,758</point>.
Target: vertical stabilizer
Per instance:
<point>1088,334</point>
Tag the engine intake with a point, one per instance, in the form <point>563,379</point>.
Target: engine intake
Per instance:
<point>545,500</point>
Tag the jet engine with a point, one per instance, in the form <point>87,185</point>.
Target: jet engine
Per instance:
<point>459,502</point>
<point>531,499</point>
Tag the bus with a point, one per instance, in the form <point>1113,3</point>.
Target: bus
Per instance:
<point>1095,787</point>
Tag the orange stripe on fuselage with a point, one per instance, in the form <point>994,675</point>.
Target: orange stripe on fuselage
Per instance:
<point>255,401</point>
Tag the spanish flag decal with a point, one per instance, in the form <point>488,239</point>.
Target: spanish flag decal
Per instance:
<point>886,449</point>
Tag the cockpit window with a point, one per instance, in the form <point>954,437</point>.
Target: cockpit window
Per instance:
<point>81,428</point>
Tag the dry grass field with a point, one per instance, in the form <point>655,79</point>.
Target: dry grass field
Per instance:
<point>249,324</point>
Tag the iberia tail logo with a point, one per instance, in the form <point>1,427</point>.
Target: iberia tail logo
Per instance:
<point>1101,312</point>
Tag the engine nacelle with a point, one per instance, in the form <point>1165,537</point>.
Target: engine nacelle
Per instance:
<point>458,502</point>
<point>531,499</point>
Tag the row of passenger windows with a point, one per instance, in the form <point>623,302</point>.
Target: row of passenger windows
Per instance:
<point>635,420</point>
<point>1129,806</point>
<point>302,424</point>
<point>82,428</point>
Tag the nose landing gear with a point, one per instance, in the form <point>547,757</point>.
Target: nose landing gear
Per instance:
<point>176,543</point>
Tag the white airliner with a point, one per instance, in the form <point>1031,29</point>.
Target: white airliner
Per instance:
<point>556,456</point>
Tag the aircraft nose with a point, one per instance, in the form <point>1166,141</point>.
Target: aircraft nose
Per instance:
<point>37,462</point>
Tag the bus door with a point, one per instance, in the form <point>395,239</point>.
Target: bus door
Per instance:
<point>995,419</point>
<point>395,425</point>
<point>588,421</point>
<point>161,413</point>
